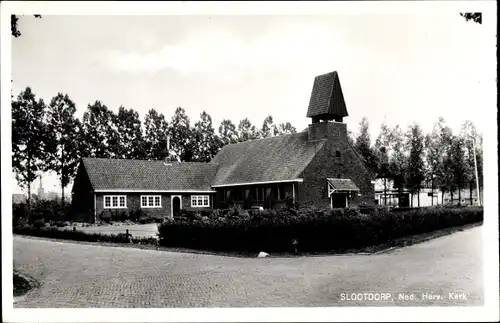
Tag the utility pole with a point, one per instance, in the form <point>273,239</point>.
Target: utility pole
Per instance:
<point>475,168</point>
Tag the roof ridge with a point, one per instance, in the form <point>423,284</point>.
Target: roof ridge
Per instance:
<point>149,160</point>
<point>257,139</point>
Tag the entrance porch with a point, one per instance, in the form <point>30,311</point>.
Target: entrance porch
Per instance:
<point>341,191</point>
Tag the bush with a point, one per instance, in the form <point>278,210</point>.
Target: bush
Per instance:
<point>69,234</point>
<point>39,223</point>
<point>118,215</point>
<point>47,210</point>
<point>145,241</point>
<point>104,217</point>
<point>316,230</point>
<point>20,213</point>
<point>60,224</point>
<point>136,214</point>
<point>50,211</point>
<point>146,220</point>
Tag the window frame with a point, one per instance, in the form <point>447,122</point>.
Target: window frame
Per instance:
<point>150,198</point>
<point>118,200</point>
<point>200,200</point>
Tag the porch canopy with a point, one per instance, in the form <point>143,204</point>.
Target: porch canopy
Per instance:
<point>337,185</point>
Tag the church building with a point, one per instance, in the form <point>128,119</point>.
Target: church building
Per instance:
<point>317,168</point>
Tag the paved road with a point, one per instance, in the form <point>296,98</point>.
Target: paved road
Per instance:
<point>74,275</point>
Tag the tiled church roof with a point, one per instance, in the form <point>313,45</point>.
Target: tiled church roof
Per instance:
<point>272,159</point>
<point>129,174</point>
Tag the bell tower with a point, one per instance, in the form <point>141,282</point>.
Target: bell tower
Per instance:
<point>327,108</point>
<point>327,100</point>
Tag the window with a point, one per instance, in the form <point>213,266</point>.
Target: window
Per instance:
<point>151,201</point>
<point>337,157</point>
<point>115,201</point>
<point>337,154</point>
<point>200,201</point>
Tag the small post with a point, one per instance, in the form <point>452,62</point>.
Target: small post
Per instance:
<point>128,235</point>
<point>294,244</point>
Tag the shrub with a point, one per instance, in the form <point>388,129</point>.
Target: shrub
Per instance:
<point>49,210</point>
<point>146,219</point>
<point>60,224</point>
<point>316,230</point>
<point>104,216</point>
<point>69,234</point>
<point>146,241</point>
<point>39,223</point>
<point>118,215</point>
<point>20,213</point>
<point>136,214</point>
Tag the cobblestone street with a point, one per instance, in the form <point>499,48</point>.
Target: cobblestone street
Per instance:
<point>77,275</point>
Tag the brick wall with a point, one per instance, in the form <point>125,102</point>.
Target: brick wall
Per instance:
<point>134,203</point>
<point>82,199</point>
<point>186,203</point>
<point>313,191</point>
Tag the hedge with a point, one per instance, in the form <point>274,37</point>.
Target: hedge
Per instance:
<point>55,233</point>
<point>53,211</point>
<point>274,230</point>
<point>315,230</point>
<point>41,210</point>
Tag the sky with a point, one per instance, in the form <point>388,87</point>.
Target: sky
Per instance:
<point>398,68</point>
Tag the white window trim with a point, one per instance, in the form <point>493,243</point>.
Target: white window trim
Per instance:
<point>151,206</point>
<point>197,197</point>
<point>111,202</point>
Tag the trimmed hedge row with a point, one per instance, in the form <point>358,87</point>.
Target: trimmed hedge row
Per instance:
<point>315,230</point>
<point>55,233</point>
<point>136,215</point>
<point>274,230</point>
<point>43,211</point>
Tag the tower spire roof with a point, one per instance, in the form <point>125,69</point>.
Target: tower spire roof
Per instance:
<point>327,100</point>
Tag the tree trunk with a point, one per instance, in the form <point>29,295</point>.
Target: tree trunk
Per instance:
<point>28,176</point>
<point>442,196</point>
<point>451,193</point>
<point>29,195</point>
<point>470,193</point>
<point>432,190</point>
<point>418,197</point>
<point>459,195</point>
<point>385,191</point>
<point>62,176</point>
<point>62,193</point>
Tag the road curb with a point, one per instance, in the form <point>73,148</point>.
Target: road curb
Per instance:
<point>407,242</point>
